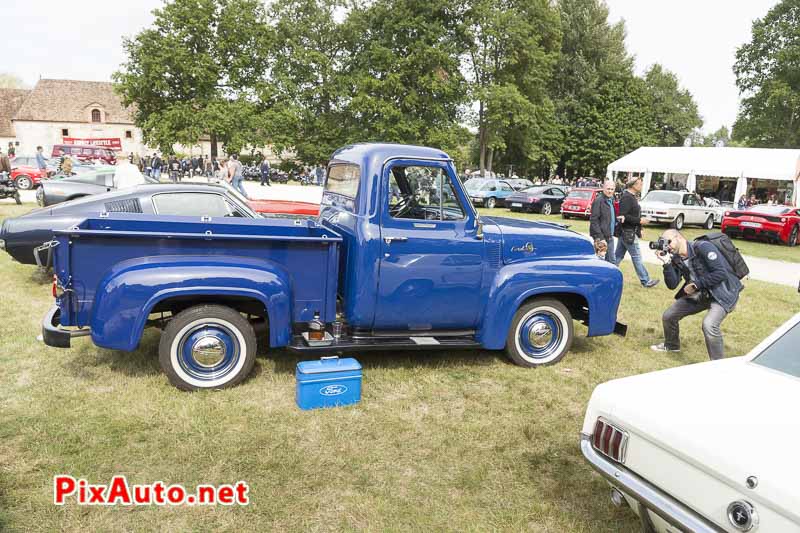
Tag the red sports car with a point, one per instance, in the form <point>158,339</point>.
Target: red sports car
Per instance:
<point>774,223</point>
<point>285,207</point>
<point>25,173</point>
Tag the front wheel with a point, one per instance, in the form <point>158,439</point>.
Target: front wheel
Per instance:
<point>793,236</point>
<point>540,334</point>
<point>547,208</point>
<point>709,222</point>
<point>24,182</point>
<point>491,203</point>
<point>207,347</point>
<point>678,223</point>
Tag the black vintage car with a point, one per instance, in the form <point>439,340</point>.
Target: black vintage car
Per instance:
<point>21,235</point>
<point>545,199</point>
<point>64,188</point>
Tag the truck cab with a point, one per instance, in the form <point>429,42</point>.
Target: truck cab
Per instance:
<point>397,259</point>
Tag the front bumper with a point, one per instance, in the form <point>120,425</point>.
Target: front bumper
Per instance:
<point>54,335</point>
<point>650,498</point>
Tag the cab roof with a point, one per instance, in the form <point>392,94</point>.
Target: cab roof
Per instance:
<point>370,155</point>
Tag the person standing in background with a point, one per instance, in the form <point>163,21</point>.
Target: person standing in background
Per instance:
<point>156,163</point>
<point>12,152</point>
<point>41,160</point>
<point>602,222</point>
<point>629,231</point>
<point>265,170</point>
<point>236,175</point>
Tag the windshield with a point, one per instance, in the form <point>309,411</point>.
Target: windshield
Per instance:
<point>782,355</point>
<point>474,184</point>
<point>534,190</point>
<point>241,201</point>
<point>663,197</point>
<point>584,195</point>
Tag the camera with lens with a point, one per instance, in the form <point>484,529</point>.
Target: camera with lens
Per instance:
<point>662,245</point>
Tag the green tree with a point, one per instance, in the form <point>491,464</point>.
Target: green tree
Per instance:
<point>769,80</point>
<point>674,111</point>
<point>10,81</point>
<point>201,68</point>
<point>406,82</point>
<point>512,46</point>
<point>592,54</point>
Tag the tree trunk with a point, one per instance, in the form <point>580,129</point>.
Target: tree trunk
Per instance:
<point>489,161</point>
<point>213,145</point>
<point>482,139</point>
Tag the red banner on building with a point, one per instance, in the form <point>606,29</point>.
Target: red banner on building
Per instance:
<point>114,143</point>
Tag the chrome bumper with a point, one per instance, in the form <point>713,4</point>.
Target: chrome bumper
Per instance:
<point>54,335</point>
<point>650,497</point>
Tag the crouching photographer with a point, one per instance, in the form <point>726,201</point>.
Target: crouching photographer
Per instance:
<point>710,273</point>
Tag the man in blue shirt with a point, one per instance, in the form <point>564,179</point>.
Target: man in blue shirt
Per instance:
<point>41,160</point>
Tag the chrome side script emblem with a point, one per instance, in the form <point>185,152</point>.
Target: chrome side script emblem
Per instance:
<point>527,247</point>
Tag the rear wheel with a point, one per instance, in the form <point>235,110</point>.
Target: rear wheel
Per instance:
<point>793,235</point>
<point>678,223</point>
<point>491,202</point>
<point>709,222</point>
<point>24,182</point>
<point>547,208</point>
<point>540,334</point>
<point>207,347</point>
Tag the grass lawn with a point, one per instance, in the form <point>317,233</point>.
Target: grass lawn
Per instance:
<point>460,441</point>
<point>779,252</point>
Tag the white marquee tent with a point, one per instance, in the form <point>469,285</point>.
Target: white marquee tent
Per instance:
<point>725,162</point>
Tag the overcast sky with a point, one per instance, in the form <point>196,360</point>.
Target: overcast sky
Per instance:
<point>696,39</point>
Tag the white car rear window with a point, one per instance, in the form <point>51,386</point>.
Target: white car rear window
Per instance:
<point>782,355</point>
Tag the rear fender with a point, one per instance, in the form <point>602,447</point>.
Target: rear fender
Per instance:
<point>131,289</point>
<point>598,282</point>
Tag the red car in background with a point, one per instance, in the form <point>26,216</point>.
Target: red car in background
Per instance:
<point>578,202</point>
<point>774,223</point>
<point>285,207</point>
<point>25,173</point>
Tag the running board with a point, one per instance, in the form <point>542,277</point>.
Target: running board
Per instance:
<point>371,344</point>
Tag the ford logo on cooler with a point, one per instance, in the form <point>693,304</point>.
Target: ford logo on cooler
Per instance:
<point>333,390</point>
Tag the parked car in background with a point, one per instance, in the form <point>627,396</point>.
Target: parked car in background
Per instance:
<point>65,188</point>
<point>718,207</point>
<point>544,199</point>
<point>488,193</point>
<point>25,173</point>
<point>678,208</point>
<point>704,447</point>
<point>773,223</point>
<point>519,183</point>
<point>578,202</point>
<point>20,236</point>
<point>86,152</point>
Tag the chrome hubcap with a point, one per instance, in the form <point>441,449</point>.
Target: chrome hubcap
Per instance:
<point>208,351</point>
<point>540,335</point>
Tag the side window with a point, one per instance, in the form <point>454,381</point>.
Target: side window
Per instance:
<point>558,193</point>
<point>191,204</point>
<point>688,199</point>
<point>505,187</point>
<point>422,193</point>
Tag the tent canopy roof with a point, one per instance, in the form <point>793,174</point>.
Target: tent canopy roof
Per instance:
<point>766,163</point>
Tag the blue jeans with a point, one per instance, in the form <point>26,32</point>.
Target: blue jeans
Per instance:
<point>636,257</point>
<point>238,184</point>
<point>157,173</point>
<point>610,256</point>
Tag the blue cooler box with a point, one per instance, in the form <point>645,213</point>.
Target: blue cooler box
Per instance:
<point>329,382</point>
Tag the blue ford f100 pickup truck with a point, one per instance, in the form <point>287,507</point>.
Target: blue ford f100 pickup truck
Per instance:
<point>397,259</point>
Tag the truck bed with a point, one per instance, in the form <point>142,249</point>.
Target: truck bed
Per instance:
<point>89,253</point>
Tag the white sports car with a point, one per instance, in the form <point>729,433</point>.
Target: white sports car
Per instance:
<point>678,208</point>
<point>707,447</point>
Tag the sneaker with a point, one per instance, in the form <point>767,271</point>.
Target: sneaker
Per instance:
<point>662,348</point>
<point>651,283</point>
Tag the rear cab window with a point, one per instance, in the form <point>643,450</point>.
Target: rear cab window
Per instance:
<point>342,185</point>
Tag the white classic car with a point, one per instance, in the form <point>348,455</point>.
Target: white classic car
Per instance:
<point>706,447</point>
<point>678,208</point>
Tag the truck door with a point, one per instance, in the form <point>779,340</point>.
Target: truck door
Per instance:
<point>431,259</point>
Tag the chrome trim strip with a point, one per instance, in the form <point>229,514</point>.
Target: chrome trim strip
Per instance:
<point>647,494</point>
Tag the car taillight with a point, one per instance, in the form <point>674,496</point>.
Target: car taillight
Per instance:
<point>58,290</point>
<point>610,440</point>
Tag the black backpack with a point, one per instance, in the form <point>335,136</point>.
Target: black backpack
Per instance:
<point>729,251</point>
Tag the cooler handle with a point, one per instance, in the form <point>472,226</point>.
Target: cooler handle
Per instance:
<point>329,357</point>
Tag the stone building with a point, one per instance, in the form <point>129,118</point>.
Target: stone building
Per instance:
<point>77,112</point>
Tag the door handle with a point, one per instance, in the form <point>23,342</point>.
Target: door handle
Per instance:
<point>389,240</point>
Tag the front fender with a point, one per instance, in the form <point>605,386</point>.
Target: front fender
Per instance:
<point>599,282</point>
<point>130,290</point>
